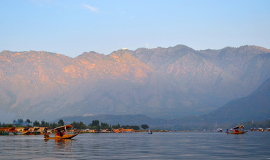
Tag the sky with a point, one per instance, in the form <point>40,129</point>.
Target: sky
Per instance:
<point>71,27</point>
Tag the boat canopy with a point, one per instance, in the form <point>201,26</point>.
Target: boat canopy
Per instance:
<point>239,127</point>
<point>63,127</point>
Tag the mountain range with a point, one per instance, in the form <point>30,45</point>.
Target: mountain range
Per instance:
<point>169,82</point>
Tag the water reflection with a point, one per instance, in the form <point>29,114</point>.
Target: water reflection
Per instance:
<point>139,145</point>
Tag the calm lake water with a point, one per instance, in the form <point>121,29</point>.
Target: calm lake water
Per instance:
<point>172,145</point>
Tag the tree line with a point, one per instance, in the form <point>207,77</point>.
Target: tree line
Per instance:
<point>78,125</point>
<point>28,123</point>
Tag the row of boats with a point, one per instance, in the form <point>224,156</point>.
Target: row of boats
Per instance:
<point>259,129</point>
<point>241,130</point>
<point>22,130</point>
<point>63,132</point>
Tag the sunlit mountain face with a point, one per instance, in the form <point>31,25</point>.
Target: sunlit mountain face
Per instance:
<point>161,82</point>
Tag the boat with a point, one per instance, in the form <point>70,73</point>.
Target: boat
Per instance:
<point>255,129</point>
<point>237,130</point>
<point>251,129</point>
<point>268,129</point>
<point>219,130</point>
<point>150,132</point>
<point>8,131</point>
<point>261,129</point>
<point>61,133</point>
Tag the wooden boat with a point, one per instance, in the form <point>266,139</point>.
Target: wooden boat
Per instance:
<point>237,130</point>
<point>255,129</point>
<point>268,129</point>
<point>61,133</point>
<point>261,129</point>
<point>251,129</point>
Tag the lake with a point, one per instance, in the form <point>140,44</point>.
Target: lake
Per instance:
<point>168,145</point>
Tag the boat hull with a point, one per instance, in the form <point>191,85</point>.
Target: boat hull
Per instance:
<point>67,136</point>
<point>235,132</point>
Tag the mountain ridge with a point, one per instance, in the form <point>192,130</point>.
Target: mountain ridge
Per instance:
<point>171,82</point>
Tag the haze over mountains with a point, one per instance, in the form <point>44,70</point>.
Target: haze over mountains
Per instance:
<point>169,82</point>
<point>254,107</point>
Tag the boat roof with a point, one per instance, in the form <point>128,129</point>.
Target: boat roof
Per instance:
<point>64,127</point>
<point>238,127</point>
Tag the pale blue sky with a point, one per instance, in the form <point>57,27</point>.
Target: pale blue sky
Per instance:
<point>73,27</point>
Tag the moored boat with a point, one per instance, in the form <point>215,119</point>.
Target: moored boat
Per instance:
<point>8,131</point>
<point>261,129</point>
<point>251,129</point>
<point>268,129</point>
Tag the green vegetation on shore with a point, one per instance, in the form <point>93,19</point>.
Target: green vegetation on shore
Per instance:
<point>95,125</point>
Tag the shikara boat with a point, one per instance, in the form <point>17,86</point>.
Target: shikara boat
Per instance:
<point>63,132</point>
<point>237,130</point>
<point>261,129</point>
<point>268,129</point>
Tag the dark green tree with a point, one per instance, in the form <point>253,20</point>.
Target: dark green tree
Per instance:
<point>20,121</point>
<point>144,126</point>
<point>135,127</point>
<point>116,126</point>
<point>81,125</point>
<point>28,121</point>
<point>95,123</point>
<point>43,123</point>
<point>78,125</point>
<point>53,125</point>
<point>61,122</point>
<point>104,126</point>
<point>36,123</point>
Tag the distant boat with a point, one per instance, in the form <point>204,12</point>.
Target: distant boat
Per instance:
<point>255,129</point>
<point>150,132</point>
<point>268,129</point>
<point>237,130</point>
<point>219,130</point>
<point>251,129</point>
<point>260,129</point>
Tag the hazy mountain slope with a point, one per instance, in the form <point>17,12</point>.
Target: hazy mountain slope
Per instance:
<point>255,106</point>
